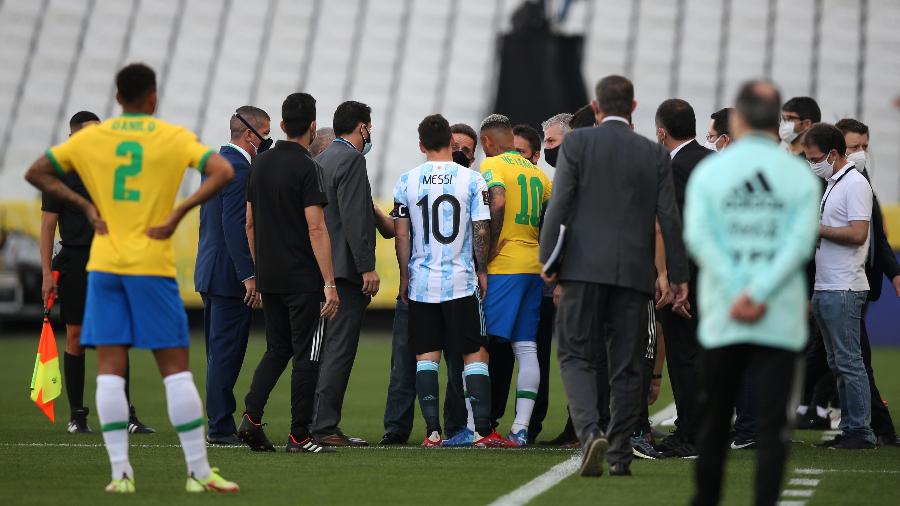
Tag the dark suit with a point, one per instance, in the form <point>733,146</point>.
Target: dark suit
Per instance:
<point>609,188</point>
<point>223,262</point>
<point>682,348</point>
<point>884,263</point>
<point>351,225</point>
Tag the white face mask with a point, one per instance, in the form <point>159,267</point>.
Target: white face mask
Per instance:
<point>712,145</point>
<point>786,131</point>
<point>823,169</point>
<point>859,158</point>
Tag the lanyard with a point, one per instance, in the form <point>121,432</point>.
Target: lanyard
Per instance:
<point>827,193</point>
<point>345,141</point>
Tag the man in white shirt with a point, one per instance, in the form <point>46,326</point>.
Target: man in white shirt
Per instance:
<point>841,286</point>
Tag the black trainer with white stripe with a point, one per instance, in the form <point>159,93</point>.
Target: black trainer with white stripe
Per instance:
<point>306,445</point>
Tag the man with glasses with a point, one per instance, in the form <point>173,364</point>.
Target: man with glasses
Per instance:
<point>225,275</point>
<point>718,134</point>
<point>798,115</point>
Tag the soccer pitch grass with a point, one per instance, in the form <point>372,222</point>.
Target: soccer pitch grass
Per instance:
<point>44,465</point>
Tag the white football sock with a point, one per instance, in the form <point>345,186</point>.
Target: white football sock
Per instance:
<point>186,414</point>
<point>470,420</point>
<point>822,412</point>
<point>527,383</point>
<point>112,408</point>
<point>802,409</point>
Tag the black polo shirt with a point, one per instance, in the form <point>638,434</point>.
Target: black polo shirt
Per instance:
<point>75,231</point>
<point>284,181</point>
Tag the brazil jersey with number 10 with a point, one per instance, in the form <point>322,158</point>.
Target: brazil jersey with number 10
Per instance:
<point>527,192</point>
<point>132,167</point>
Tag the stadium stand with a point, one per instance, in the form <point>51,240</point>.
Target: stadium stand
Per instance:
<point>412,57</point>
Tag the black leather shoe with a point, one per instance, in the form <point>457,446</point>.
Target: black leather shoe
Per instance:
<point>340,439</point>
<point>620,470</point>
<point>254,436</point>
<point>852,443</point>
<point>888,440</point>
<point>391,438</point>
<point>224,440</point>
<point>592,458</point>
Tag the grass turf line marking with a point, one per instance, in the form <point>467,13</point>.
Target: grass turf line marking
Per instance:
<point>527,492</point>
<point>804,482</point>
<point>790,503</point>
<point>798,492</point>
<point>533,449</point>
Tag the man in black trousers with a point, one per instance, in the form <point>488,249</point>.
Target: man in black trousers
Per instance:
<point>676,129</point>
<point>287,233</point>
<point>606,266</point>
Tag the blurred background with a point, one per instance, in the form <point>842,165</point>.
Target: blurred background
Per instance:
<point>411,58</point>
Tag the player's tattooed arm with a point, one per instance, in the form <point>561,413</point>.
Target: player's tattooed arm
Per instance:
<point>481,235</point>
<point>498,207</point>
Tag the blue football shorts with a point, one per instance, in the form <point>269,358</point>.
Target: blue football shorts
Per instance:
<point>140,311</point>
<point>512,307</point>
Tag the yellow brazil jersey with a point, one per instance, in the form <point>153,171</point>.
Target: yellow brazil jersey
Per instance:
<point>527,192</point>
<point>132,167</point>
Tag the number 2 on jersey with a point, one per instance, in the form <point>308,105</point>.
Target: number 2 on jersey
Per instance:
<point>434,227</point>
<point>123,172</point>
<point>537,194</point>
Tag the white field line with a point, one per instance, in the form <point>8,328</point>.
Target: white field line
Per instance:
<point>790,503</point>
<point>804,482</point>
<point>527,492</point>
<point>534,449</point>
<point>798,492</point>
<point>810,471</point>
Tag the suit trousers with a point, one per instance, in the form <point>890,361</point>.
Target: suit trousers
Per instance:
<point>882,423</point>
<point>583,308</point>
<point>226,325</point>
<point>399,409</point>
<point>682,355</point>
<point>544,345</point>
<point>501,365</point>
<point>293,333</point>
<point>772,375</point>
<point>338,355</point>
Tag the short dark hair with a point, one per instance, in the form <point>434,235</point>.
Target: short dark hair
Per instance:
<point>462,128</point>
<point>298,111</point>
<point>677,117</point>
<point>134,82</point>
<point>531,135</point>
<point>804,107</point>
<point>758,102</point>
<point>348,115</point>
<point>615,94</point>
<point>825,137</point>
<point>253,115</point>
<point>434,132</point>
<point>720,121</point>
<point>82,117</point>
<point>848,125</point>
<point>583,117</point>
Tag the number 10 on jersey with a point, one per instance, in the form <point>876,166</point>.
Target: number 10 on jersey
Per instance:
<point>531,216</point>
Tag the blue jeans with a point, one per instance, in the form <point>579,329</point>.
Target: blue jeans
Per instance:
<point>838,315</point>
<point>399,408</point>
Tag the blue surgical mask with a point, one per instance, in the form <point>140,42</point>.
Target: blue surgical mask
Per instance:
<point>367,142</point>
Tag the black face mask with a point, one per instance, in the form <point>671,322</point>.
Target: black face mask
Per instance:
<point>550,155</point>
<point>264,145</point>
<point>461,158</point>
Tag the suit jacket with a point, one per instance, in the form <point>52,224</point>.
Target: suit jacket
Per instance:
<point>683,164</point>
<point>885,261</point>
<point>609,188</point>
<point>349,215</point>
<point>223,255</point>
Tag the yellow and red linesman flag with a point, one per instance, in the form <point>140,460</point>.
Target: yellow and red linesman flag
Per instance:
<point>46,384</point>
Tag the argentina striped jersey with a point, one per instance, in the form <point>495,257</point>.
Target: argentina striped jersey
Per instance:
<point>441,200</point>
